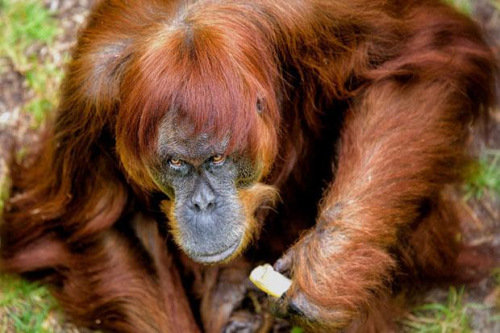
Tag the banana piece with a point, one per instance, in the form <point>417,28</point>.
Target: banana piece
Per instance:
<point>270,281</point>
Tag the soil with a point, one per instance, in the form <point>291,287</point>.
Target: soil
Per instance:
<point>480,217</point>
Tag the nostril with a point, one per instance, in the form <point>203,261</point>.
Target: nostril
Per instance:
<point>199,207</point>
<point>204,198</point>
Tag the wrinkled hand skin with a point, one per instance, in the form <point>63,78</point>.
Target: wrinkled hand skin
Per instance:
<point>335,278</point>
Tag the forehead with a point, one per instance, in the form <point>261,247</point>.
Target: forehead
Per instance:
<point>179,137</point>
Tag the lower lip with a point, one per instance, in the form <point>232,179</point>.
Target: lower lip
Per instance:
<point>217,257</point>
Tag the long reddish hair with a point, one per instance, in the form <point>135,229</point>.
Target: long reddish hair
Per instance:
<point>265,71</point>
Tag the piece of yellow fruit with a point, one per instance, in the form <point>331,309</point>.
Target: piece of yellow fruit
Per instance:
<point>270,281</point>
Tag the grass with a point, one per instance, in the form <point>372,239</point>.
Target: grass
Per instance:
<point>496,4</point>
<point>27,32</point>
<point>484,176</point>
<point>28,27</point>
<point>465,6</point>
<point>24,307</point>
<point>448,317</point>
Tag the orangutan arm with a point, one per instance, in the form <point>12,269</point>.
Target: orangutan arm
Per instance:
<point>401,142</point>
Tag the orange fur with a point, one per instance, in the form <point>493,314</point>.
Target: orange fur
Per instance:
<point>365,110</point>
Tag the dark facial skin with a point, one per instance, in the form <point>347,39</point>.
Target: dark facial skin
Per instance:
<point>202,182</point>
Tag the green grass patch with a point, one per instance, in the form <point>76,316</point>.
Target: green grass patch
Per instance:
<point>440,318</point>
<point>41,77</point>
<point>24,307</point>
<point>28,27</point>
<point>496,4</point>
<point>28,30</point>
<point>465,6</point>
<point>484,176</point>
<point>23,23</point>
<point>496,275</point>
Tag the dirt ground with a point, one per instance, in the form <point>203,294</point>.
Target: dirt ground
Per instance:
<point>480,218</point>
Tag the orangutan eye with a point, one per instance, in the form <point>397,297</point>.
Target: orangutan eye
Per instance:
<point>175,162</point>
<point>218,159</point>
